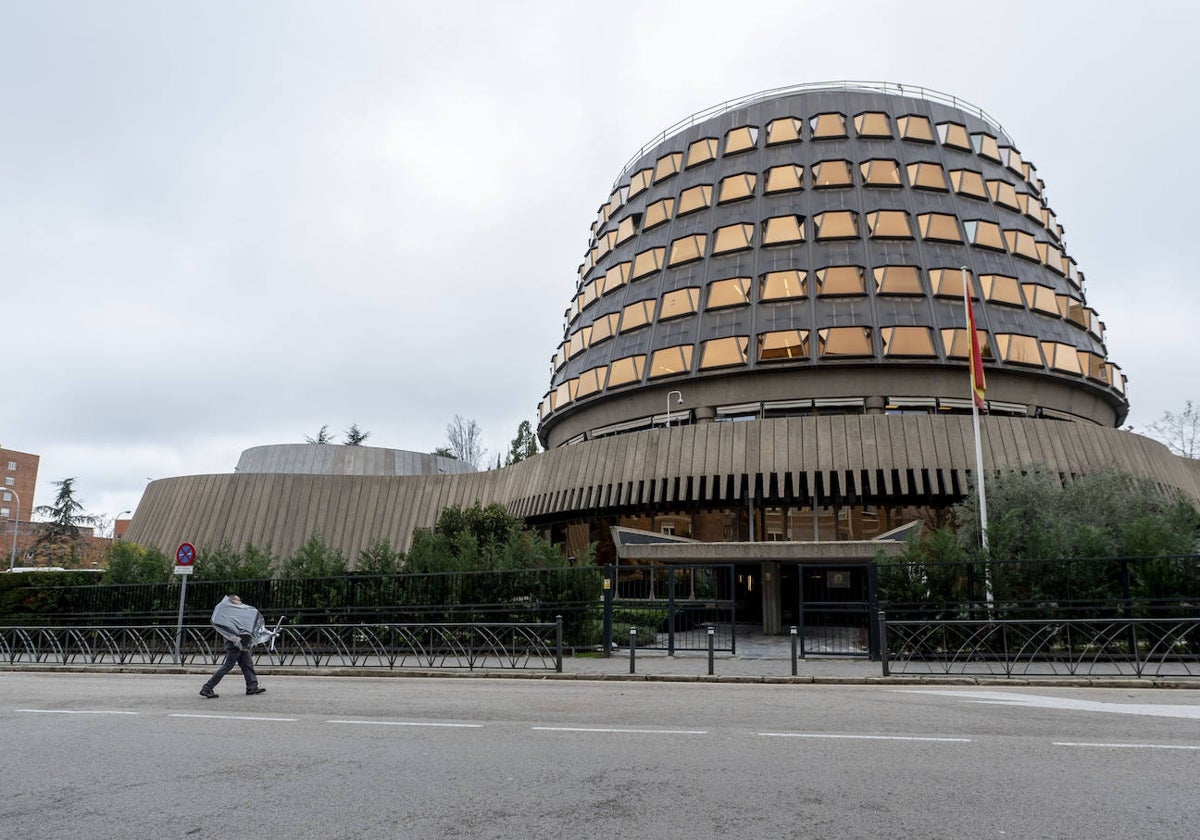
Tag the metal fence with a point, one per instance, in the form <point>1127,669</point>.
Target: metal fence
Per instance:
<point>1131,647</point>
<point>673,607</point>
<point>508,646</point>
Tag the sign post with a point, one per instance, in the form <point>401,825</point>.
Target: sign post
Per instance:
<point>185,556</point>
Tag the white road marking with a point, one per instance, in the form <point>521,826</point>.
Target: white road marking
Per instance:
<point>1031,701</point>
<point>1129,746</point>
<point>620,731</point>
<point>408,723</point>
<point>73,712</point>
<point>865,737</point>
<point>234,717</point>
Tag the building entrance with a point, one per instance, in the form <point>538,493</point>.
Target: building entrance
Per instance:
<point>830,606</point>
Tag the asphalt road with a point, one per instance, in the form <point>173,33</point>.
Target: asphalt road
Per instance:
<point>135,756</point>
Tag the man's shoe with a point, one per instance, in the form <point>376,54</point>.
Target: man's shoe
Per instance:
<point>255,690</point>
<point>209,693</point>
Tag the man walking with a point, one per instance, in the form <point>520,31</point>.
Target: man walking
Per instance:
<point>240,625</point>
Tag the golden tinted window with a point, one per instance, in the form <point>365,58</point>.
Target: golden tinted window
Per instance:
<point>658,212</point>
<point>627,227</point>
<point>695,198</point>
<point>591,381</point>
<point>604,327</point>
<point>841,342</point>
<point>1003,194</point>
<point>1064,304</point>
<point>985,145</point>
<point>1040,298</point>
<point>671,360</point>
<point>927,176</point>
<point>907,341</point>
<point>591,292</point>
<point>783,345</point>
<point>732,238</point>
<point>701,151</point>
<point>938,227</point>
<point>836,224</point>
<point>913,127</point>
<point>647,262</point>
<point>1019,349</point>
<point>1061,357</point>
<point>1012,159</point>
<point>783,130</point>
<point>872,124</point>
<point>984,234</point>
<point>841,280</point>
<point>1093,366</point>
<point>1051,257</point>
<point>578,341</point>
<point>724,352</point>
<point>740,139</point>
<point>1079,314</point>
<point>898,280</point>
<point>780,230</point>
<point>968,182</point>
<point>1000,288</point>
<point>828,126</point>
<point>626,370</point>
<point>889,224</point>
<point>832,173</point>
<point>954,134</point>
<point>687,248</point>
<point>732,291</point>
<point>948,282</point>
<point>637,315</point>
<point>615,277</point>
<point>565,393</point>
<point>880,173</point>
<point>1022,244</point>
<point>781,285</point>
<point>1031,206</point>
<point>640,181</point>
<point>958,346</point>
<point>784,178</point>
<point>667,165</point>
<point>736,187</point>
<point>679,302</point>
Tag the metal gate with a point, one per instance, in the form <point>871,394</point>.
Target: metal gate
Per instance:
<point>672,608</point>
<point>834,613</point>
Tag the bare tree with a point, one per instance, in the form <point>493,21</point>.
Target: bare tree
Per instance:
<point>464,439</point>
<point>1179,431</point>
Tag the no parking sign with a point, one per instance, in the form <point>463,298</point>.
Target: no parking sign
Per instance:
<point>185,556</point>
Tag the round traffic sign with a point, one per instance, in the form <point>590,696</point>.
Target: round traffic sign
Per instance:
<point>185,554</point>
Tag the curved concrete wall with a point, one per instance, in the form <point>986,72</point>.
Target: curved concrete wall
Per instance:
<point>336,459</point>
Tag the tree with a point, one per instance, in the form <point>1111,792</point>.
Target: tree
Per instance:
<point>314,559</point>
<point>524,445</point>
<point>443,451</point>
<point>1180,432</point>
<point>464,439</point>
<point>132,563</point>
<point>379,559</point>
<point>59,538</point>
<point>323,437</point>
<point>354,437</point>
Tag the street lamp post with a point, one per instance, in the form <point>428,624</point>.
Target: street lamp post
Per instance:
<point>679,401</point>
<point>115,518</point>
<point>12,558</point>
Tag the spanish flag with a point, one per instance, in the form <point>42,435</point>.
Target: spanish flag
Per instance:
<point>978,381</point>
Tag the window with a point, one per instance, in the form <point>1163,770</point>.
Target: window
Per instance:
<point>732,238</point>
<point>783,345</point>
<point>724,352</point>
<point>999,288</point>
<point>781,230</point>
<point>1019,349</point>
<point>1003,194</point>
<point>740,139</point>
<point>1093,366</point>
<point>732,291</point>
<point>843,342</point>
<point>985,145</point>
<point>889,224</point>
<point>948,282</point>
<point>872,124</point>
<point>670,361</point>
<point>938,227</point>
<point>880,173</point>
<point>828,126</point>
<point>913,127</point>
<point>5,513</point>
<point>907,341</point>
<point>969,183</point>
<point>12,466</point>
<point>954,134</point>
<point>1051,257</point>
<point>1062,357</point>
<point>984,234</point>
<point>832,173</point>
<point>615,277</point>
<point>604,327</point>
<point>647,262</point>
<point>667,165</point>
<point>1012,159</point>
<point>1031,206</point>
<point>898,280</point>
<point>1022,244</point>
<point>784,178</point>
<point>736,187</point>
<point>1041,298</point>
<point>783,285</point>
<point>679,302</point>
<point>783,130</point>
<point>695,198</point>
<point>627,228</point>
<point>1078,314</point>
<point>636,315</point>
<point>640,181</point>
<point>841,280</point>
<point>836,224</point>
<point>958,345</point>
<point>10,481</point>
<point>927,176</point>
<point>591,381</point>
<point>624,371</point>
<point>658,212</point>
<point>686,249</point>
<point>565,393</point>
<point>701,151</point>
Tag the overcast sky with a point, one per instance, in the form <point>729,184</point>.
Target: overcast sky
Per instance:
<point>225,224</point>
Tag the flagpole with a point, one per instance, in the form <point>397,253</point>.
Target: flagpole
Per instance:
<point>976,357</point>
